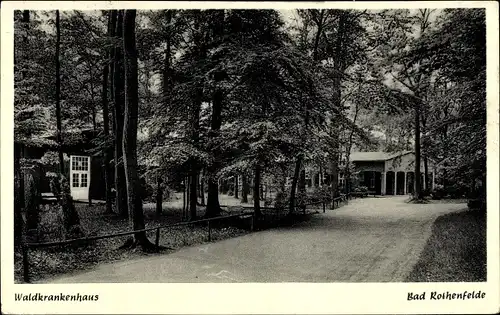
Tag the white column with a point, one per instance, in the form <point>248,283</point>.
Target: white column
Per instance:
<point>405,185</point>
<point>395,182</point>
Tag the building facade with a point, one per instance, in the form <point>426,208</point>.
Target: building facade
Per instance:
<point>381,173</point>
<point>390,173</point>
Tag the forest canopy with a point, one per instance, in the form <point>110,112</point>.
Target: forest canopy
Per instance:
<point>212,94</point>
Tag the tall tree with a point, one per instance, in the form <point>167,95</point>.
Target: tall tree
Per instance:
<point>130,124</point>
<point>58,94</point>
<point>19,194</point>
<point>339,66</point>
<point>71,217</point>
<point>213,206</point>
<point>118,98</point>
<point>407,73</point>
<point>194,118</point>
<point>105,112</point>
<point>455,52</point>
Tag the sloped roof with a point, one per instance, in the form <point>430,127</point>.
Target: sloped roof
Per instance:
<point>375,156</point>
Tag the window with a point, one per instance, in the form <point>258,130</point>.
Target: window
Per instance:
<point>80,163</point>
<point>84,182</point>
<point>76,180</point>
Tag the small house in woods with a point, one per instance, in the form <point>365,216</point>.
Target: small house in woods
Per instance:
<point>382,173</point>
<point>84,170</point>
<point>390,173</point>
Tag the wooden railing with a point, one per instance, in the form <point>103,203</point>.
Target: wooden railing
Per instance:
<point>27,246</point>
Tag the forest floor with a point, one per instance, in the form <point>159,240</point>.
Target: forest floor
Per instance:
<point>368,240</point>
<point>456,250</point>
<point>49,262</point>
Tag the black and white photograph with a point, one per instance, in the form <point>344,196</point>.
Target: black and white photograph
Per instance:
<point>190,144</point>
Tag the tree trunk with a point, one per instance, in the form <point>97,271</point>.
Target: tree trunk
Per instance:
<point>92,99</point>
<point>320,175</point>
<point>423,144</point>
<point>18,202</point>
<point>339,66</point>
<point>192,196</point>
<point>335,175</point>
<point>293,189</point>
<point>256,192</point>
<point>202,189</point>
<point>118,80</point>
<point>105,113</point>
<point>71,217</point>
<point>130,124</point>
<point>159,195</point>
<point>302,189</point>
<point>213,206</point>
<point>32,204</point>
<point>418,187</point>
<point>347,173</point>
<point>112,61</point>
<point>91,183</point>
<point>58,94</point>
<point>195,130</point>
<point>184,190</point>
<point>236,193</point>
<point>426,173</point>
<point>199,188</point>
<point>347,169</point>
<point>244,189</point>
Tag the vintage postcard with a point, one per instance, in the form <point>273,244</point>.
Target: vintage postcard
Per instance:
<point>250,157</point>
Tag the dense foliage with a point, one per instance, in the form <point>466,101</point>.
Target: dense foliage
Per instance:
<point>254,94</point>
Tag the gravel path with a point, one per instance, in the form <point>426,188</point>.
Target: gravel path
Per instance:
<point>369,240</point>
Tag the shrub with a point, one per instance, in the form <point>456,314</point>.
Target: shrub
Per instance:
<point>149,192</point>
<point>477,204</point>
<point>426,192</point>
<point>456,191</point>
<point>360,189</point>
<point>281,200</point>
<point>319,194</point>
<point>438,192</point>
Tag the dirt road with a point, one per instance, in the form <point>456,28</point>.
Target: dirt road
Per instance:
<point>369,240</point>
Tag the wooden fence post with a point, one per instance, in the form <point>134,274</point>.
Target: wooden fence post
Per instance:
<point>324,206</point>
<point>252,222</point>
